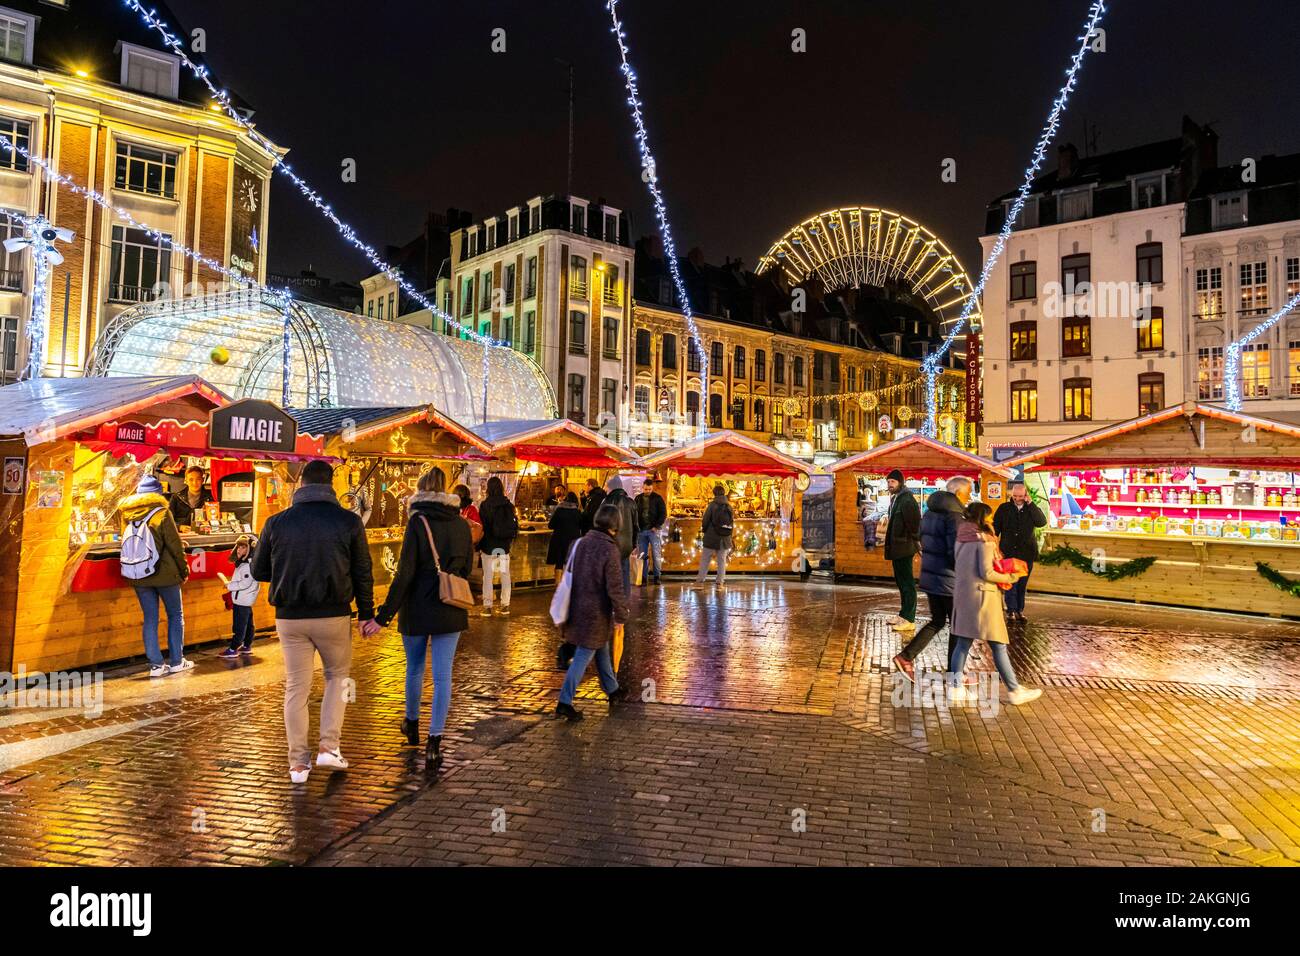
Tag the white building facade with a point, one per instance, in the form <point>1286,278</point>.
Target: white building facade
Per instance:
<point>553,278</point>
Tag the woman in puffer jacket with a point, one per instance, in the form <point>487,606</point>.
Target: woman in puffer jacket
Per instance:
<point>977,604</point>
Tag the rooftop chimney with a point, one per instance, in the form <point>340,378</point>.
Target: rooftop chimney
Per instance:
<point>1067,161</point>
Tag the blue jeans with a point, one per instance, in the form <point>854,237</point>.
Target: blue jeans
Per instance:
<point>1001,658</point>
<point>651,545</point>
<point>1015,598</point>
<point>604,669</point>
<point>171,600</point>
<point>242,619</point>
<point>444,650</point>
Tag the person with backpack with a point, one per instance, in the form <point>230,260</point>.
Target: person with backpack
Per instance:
<point>651,514</point>
<point>153,563</point>
<point>500,528</point>
<point>317,559</point>
<point>437,540</point>
<point>244,592</point>
<point>628,528</point>
<point>718,526</point>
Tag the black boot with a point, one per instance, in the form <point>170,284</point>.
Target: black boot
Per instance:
<point>568,712</point>
<point>433,754</point>
<point>411,728</point>
<point>618,696</point>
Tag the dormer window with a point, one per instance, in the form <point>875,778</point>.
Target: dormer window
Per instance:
<point>149,71</point>
<point>514,227</point>
<point>579,222</point>
<point>535,218</point>
<point>611,227</point>
<point>17,31</point>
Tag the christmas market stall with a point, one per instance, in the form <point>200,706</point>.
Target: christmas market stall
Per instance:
<point>72,450</point>
<point>1193,505</point>
<point>532,459</point>
<point>862,495</point>
<point>764,488</point>
<point>383,452</point>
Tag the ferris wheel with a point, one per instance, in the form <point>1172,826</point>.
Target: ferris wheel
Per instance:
<point>864,245</point>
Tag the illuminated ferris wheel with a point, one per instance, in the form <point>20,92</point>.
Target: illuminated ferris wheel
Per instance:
<point>862,245</point>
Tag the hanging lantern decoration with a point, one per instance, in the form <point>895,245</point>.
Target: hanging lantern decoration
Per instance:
<point>885,425</point>
<point>904,414</point>
<point>791,406</point>
<point>868,402</point>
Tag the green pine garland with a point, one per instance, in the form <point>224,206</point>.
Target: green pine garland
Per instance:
<point>1064,554</point>
<point>1279,580</point>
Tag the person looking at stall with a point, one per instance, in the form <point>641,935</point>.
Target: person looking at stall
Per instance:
<point>943,514</point>
<point>469,513</point>
<point>500,528</point>
<point>591,502</point>
<point>977,604</point>
<point>628,529</point>
<point>902,541</point>
<point>1015,522</point>
<point>244,592</point>
<point>192,500</point>
<point>651,514</point>
<point>597,604</point>
<point>317,560</point>
<point>437,539</point>
<point>717,526</point>
<point>153,562</point>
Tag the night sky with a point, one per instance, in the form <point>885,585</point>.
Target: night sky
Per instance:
<point>750,137</point>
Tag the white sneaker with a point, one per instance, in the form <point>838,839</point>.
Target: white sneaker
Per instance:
<point>331,758</point>
<point>159,670</point>
<point>184,665</point>
<point>485,611</point>
<point>1023,695</point>
<point>299,776</point>
<point>959,695</point>
<point>904,626</point>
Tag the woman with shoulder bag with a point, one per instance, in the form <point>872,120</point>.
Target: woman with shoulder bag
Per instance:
<point>436,546</point>
<point>977,603</point>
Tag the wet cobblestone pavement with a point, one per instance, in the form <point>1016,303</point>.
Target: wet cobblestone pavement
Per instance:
<point>772,736</point>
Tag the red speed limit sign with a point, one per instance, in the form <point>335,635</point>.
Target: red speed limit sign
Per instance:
<point>13,476</point>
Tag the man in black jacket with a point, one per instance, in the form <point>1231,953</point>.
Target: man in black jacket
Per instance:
<point>902,541</point>
<point>1014,522</point>
<point>591,502</point>
<point>317,560</point>
<point>943,512</point>
<point>651,514</point>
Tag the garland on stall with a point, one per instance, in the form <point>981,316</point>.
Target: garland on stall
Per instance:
<point>1064,554</point>
<point>1279,580</point>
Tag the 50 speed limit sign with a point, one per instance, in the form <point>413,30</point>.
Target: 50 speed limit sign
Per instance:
<point>13,476</point>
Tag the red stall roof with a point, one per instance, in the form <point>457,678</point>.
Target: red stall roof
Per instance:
<point>528,441</point>
<point>726,453</point>
<point>917,456</point>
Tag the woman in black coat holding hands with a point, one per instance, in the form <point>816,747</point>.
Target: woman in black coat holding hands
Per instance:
<point>422,618</point>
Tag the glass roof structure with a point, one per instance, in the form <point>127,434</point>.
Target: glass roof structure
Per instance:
<point>237,341</point>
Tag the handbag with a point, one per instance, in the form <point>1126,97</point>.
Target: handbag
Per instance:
<point>563,590</point>
<point>452,588</point>
<point>1009,566</point>
<point>636,568</point>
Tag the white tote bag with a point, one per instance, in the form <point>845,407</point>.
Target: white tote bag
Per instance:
<point>560,600</point>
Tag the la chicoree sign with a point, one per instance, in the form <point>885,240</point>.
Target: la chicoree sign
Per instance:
<point>252,425</point>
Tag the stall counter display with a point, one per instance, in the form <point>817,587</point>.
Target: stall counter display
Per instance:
<point>766,535</point>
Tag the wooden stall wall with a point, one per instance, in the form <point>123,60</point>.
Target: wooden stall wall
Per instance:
<point>11,537</point>
<point>852,556</point>
<point>1217,574</point>
<point>55,630</point>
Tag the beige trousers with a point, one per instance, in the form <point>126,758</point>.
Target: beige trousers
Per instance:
<point>300,640</point>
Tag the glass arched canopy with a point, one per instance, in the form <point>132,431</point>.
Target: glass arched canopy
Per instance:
<point>235,340</point>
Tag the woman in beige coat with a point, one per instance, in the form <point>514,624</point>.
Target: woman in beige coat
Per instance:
<point>977,603</point>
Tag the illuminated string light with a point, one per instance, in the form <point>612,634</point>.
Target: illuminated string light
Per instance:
<point>1232,354</point>
<point>649,172</point>
<point>43,255</point>
<point>931,363</point>
<point>222,99</point>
